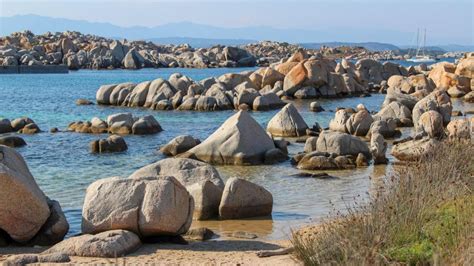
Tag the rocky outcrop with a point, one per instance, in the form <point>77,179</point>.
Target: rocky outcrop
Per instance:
<point>287,123</point>
<point>113,143</point>
<point>240,140</point>
<point>243,199</point>
<point>109,244</point>
<point>147,206</point>
<point>33,219</point>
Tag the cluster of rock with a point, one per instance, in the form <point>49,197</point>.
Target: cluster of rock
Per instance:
<point>121,124</point>
<point>79,51</point>
<point>298,76</point>
<point>425,99</point>
<point>269,52</point>
<point>158,200</point>
<point>181,93</point>
<point>23,125</point>
<point>33,219</point>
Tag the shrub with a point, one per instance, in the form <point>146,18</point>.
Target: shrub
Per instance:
<point>422,214</point>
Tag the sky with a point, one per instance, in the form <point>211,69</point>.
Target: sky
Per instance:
<point>447,21</point>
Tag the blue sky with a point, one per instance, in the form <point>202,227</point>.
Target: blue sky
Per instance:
<point>447,21</point>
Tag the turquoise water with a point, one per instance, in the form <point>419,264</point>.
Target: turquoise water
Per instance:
<point>63,166</point>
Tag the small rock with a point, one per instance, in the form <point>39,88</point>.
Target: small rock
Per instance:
<point>199,234</point>
<point>315,107</point>
<point>244,235</point>
<point>83,102</point>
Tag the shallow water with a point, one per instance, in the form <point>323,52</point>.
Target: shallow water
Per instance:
<point>63,166</point>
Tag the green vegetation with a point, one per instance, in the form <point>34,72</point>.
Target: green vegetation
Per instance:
<point>421,215</point>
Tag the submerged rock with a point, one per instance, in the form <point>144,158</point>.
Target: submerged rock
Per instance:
<point>113,143</point>
<point>12,141</point>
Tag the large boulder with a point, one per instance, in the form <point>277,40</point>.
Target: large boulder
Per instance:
<point>23,219</point>
<point>436,101</point>
<point>201,180</point>
<point>431,124</point>
<point>378,148</point>
<point>359,123</point>
<point>186,171</point>
<point>103,94</point>
<point>395,110</point>
<point>394,95</point>
<point>207,197</point>
<point>413,149</point>
<point>465,67</point>
<point>54,229</point>
<point>148,206</point>
<point>109,244</point>
<point>461,129</point>
<point>443,75</point>
<point>133,60</point>
<point>138,96</point>
<point>244,199</point>
<point>341,144</point>
<point>338,123</point>
<point>287,123</point>
<point>179,145</point>
<point>146,125</point>
<point>240,140</point>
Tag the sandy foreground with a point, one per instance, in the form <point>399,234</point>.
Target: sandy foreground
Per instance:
<point>223,252</point>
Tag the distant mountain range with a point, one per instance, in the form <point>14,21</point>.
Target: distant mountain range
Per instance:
<point>198,35</point>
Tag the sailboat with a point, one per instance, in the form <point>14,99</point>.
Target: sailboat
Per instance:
<point>420,56</point>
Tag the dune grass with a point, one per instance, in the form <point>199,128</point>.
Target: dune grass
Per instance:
<point>421,215</point>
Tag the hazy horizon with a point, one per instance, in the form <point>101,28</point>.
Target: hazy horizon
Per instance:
<point>447,22</point>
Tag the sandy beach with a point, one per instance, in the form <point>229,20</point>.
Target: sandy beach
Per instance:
<point>224,252</point>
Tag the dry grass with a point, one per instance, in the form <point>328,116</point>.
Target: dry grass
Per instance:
<point>422,215</point>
